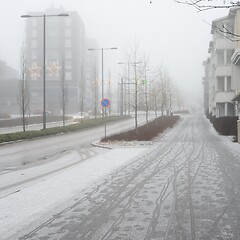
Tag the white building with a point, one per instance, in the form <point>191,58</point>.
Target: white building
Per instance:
<point>221,81</point>
<point>224,66</point>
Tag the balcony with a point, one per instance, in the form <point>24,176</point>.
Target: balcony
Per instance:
<point>236,57</point>
<point>223,70</point>
<point>223,43</point>
<point>222,97</point>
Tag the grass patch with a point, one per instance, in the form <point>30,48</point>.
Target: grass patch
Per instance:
<point>88,123</point>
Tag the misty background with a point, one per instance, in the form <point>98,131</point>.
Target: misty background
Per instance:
<point>175,36</point>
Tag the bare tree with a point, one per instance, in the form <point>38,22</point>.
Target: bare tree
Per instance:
<point>162,89</point>
<point>134,59</point>
<point>63,94</point>
<point>23,95</point>
<point>154,96</point>
<point>170,93</point>
<point>203,5</point>
<point>145,81</point>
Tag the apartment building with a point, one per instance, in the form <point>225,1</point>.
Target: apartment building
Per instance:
<point>9,81</point>
<point>222,69</point>
<point>65,59</point>
<point>236,59</point>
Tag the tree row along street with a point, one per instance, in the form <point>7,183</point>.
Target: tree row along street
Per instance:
<point>185,186</point>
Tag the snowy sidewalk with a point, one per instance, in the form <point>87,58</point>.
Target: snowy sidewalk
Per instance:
<point>31,202</point>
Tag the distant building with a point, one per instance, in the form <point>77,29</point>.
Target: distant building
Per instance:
<point>9,81</point>
<point>92,85</point>
<point>7,72</point>
<point>65,58</point>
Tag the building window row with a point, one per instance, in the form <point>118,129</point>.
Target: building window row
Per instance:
<point>224,84</point>
<point>224,56</point>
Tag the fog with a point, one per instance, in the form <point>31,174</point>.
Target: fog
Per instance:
<point>173,35</point>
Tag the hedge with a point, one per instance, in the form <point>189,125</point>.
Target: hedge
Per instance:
<point>88,123</point>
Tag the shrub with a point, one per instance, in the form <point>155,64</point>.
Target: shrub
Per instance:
<point>225,125</point>
<point>146,132</point>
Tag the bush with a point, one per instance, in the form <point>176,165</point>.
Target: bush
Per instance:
<point>225,125</point>
<point>146,132</point>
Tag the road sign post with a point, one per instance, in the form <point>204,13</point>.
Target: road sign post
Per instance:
<point>105,102</point>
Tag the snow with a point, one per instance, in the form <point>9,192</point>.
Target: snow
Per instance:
<point>29,201</point>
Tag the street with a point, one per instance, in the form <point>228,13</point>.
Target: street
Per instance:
<point>185,186</point>
<point>20,154</point>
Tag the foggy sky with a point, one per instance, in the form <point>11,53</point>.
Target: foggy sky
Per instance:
<point>174,35</point>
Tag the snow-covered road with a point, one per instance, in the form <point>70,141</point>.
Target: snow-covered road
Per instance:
<point>183,186</point>
<point>29,194</point>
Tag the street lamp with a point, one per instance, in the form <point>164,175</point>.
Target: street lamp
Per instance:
<point>44,54</point>
<point>102,49</point>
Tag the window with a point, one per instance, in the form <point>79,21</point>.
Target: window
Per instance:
<point>52,54</point>
<point>34,44</point>
<point>68,43</point>
<point>223,86</point>
<point>33,22</point>
<point>68,76</point>
<point>68,54</point>
<point>68,22</point>
<point>52,22</point>
<point>34,33</point>
<point>68,64</point>
<point>52,43</point>
<point>220,57</point>
<point>34,55</point>
<point>229,88</point>
<point>68,32</point>
<point>34,94</point>
<point>220,84</point>
<point>52,33</point>
<point>229,55</point>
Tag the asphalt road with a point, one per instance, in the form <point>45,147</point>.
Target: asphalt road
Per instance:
<point>20,154</point>
<point>187,186</point>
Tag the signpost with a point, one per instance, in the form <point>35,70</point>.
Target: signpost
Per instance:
<point>105,102</point>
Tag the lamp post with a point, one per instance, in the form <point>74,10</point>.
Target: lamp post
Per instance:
<point>102,49</point>
<point>44,55</point>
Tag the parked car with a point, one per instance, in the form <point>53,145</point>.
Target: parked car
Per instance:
<point>40,112</point>
<point>80,116</point>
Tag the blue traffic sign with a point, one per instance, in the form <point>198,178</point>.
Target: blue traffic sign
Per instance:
<point>105,102</point>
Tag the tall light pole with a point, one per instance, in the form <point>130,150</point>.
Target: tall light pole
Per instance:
<point>102,50</point>
<point>44,55</point>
